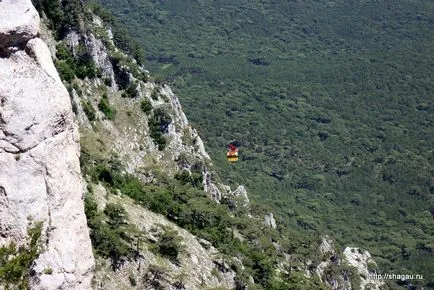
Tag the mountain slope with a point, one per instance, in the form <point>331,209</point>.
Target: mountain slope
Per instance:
<point>349,84</point>
<point>154,206</point>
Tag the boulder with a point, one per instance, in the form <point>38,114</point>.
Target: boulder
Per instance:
<point>269,220</point>
<point>19,22</point>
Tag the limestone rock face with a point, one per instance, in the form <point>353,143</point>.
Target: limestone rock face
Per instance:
<point>269,220</point>
<point>360,259</point>
<point>241,192</point>
<point>326,246</point>
<point>19,22</point>
<point>40,178</point>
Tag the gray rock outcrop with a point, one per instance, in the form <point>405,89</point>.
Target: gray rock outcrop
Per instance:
<point>269,220</point>
<point>40,178</point>
<point>241,193</point>
<point>360,260</point>
<point>19,22</point>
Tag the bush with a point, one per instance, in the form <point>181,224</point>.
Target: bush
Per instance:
<point>82,65</point>
<point>131,91</point>
<point>159,139</point>
<point>146,106</point>
<point>159,124</point>
<point>155,94</point>
<point>63,53</point>
<point>122,77</point>
<point>195,178</point>
<point>161,120</point>
<point>116,214</point>
<point>66,72</point>
<point>85,66</point>
<point>15,262</point>
<point>107,238</point>
<point>169,245</point>
<point>89,110</point>
<point>64,16</point>
<point>107,81</point>
<point>105,107</point>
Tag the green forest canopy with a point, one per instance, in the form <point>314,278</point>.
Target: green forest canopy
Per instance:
<point>333,103</point>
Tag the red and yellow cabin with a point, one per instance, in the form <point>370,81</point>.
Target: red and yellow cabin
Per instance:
<point>232,154</point>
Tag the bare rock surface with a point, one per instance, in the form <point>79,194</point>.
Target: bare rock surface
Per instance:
<point>40,178</point>
<point>241,193</point>
<point>269,220</point>
<point>19,22</point>
<point>360,259</point>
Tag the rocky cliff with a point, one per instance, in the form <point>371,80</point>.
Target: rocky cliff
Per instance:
<point>40,179</point>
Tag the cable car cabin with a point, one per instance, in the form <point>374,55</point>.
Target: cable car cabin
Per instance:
<point>232,155</point>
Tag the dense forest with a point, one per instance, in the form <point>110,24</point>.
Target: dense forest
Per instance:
<point>332,103</point>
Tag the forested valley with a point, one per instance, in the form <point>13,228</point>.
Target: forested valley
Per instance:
<point>331,102</point>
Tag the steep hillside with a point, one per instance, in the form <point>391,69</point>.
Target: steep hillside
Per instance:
<point>159,217</point>
<point>331,101</point>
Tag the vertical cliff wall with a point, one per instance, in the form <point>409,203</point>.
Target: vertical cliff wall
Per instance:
<point>40,177</point>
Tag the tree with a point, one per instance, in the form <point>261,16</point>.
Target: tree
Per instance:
<point>169,245</point>
<point>146,106</point>
<point>117,215</point>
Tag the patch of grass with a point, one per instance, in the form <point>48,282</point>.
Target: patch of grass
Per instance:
<point>89,110</point>
<point>105,107</point>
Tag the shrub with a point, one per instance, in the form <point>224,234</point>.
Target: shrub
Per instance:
<point>15,262</point>
<point>195,178</point>
<point>64,16</point>
<point>105,107</point>
<point>82,65</point>
<point>107,238</point>
<point>159,124</point>
<point>155,94</point>
<point>66,72</point>
<point>116,214</point>
<point>146,106</point>
<point>161,120</point>
<point>131,91</point>
<point>77,89</point>
<point>159,139</point>
<point>63,53</point>
<point>169,245</point>
<point>85,66</point>
<point>122,77</point>
<point>89,110</point>
<point>107,81</point>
